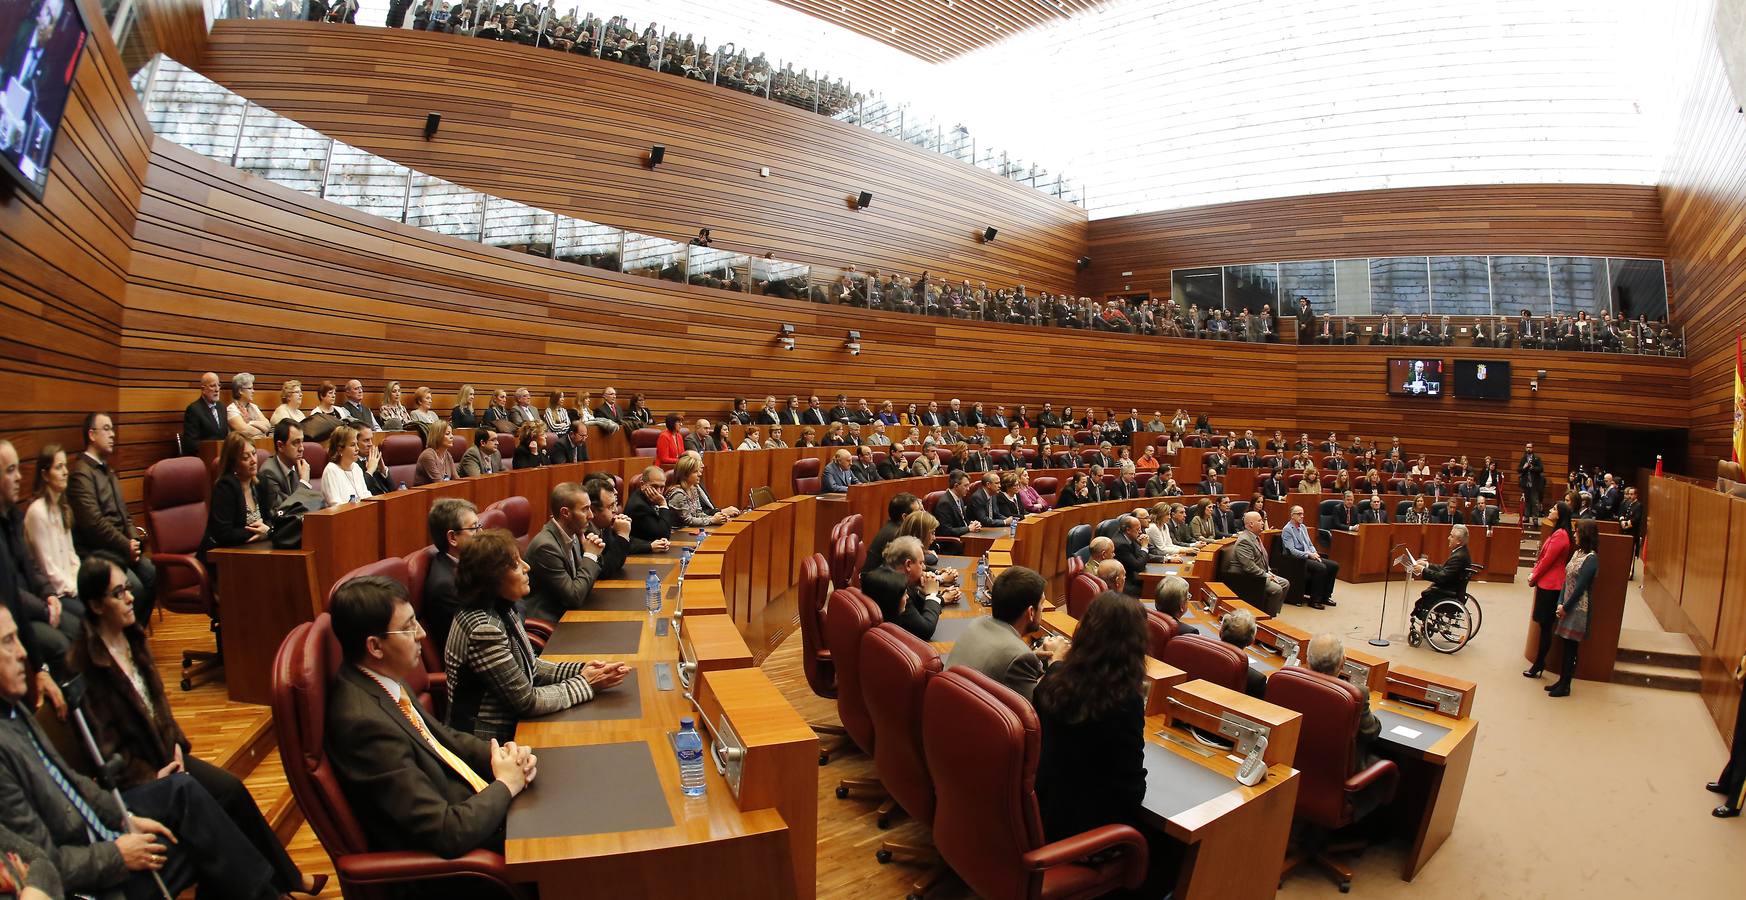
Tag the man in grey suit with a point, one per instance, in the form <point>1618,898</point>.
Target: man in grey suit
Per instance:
<point>287,470</point>
<point>995,645</point>
<point>564,558</point>
<point>178,831</point>
<point>1246,568</point>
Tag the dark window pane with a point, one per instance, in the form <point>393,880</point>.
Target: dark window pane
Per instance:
<point>1518,283</point>
<point>1250,287</point>
<point>1579,284</point>
<point>1198,287</point>
<point>1639,287</point>
<point>1399,285</point>
<point>1314,280</point>
<point>1460,286</point>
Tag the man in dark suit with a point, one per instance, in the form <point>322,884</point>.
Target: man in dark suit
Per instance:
<point>1531,477</point>
<point>414,783</point>
<point>1223,519</point>
<point>1096,492</point>
<point>1130,551</point>
<point>1631,518</point>
<point>953,511</point>
<point>931,416</point>
<point>1132,425</point>
<point>1482,514</point>
<point>907,593</point>
<point>563,560</point>
<point>954,412</point>
<point>1047,418</point>
<point>811,413</point>
<point>286,470</point>
<point>841,412</point>
<point>700,439</point>
<point>608,410</point>
<point>1212,485</point>
<point>1376,513</point>
<point>355,408</point>
<point>647,509</point>
<point>1246,570</point>
<point>1346,517</point>
<point>203,420</point>
<point>980,504</point>
<point>101,520</point>
<point>452,523</point>
<point>613,528</point>
<point>1272,487</point>
<point>1126,487</point>
<point>1448,580</point>
<point>791,414</point>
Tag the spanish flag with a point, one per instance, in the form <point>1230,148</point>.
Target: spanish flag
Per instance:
<point>1739,403</point>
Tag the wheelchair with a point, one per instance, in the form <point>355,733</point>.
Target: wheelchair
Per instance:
<point>1447,624</point>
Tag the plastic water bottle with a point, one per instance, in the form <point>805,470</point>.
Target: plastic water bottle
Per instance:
<point>982,578</point>
<point>652,592</point>
<point>688,746</point>
<point>1015,526</point>
<point>702,535</point>
<point>684,562</point>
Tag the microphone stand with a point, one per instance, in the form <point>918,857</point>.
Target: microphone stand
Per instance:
<point>1387,579</point>
<point>74,694</point>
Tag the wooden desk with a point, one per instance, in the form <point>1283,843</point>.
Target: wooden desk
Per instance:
<point>271,592</point>
<point>1367,554</point>
<point>342,539</point>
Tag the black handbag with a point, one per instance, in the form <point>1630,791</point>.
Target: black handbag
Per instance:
<point>288,518</point>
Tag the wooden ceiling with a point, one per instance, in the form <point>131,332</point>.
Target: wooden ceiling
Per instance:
<point>938,30</point>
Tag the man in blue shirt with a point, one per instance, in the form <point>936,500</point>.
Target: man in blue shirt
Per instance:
<point>1318,572</point>
<point>838,476</point>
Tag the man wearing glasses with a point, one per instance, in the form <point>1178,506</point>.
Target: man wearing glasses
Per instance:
<point>100,517</point>
<point>452,523</point>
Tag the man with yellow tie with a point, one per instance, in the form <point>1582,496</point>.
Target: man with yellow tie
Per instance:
<point>414,783</point>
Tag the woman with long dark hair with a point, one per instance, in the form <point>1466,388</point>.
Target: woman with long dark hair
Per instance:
<point>1573,604</point>
<point>1547,580</point>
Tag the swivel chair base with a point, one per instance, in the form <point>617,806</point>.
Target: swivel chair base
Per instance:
<point>839,740</point>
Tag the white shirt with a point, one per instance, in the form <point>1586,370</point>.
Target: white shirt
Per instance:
<point>343,485</point>
<point>52,543</point>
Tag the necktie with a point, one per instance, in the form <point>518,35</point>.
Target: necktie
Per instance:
<point>93,825</point>
<point>215,419</point>
<point>449,759</point>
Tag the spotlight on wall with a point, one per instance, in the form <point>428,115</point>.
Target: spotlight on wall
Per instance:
<point>431,121</point>
<point>989,233</point>
<point>1534,385</point>
<point>656,154</point>
<point>785,337</point>
<point>1540,375</point>
<point>1084,263</point>
<point>854,343</point>
<point>862,200</point>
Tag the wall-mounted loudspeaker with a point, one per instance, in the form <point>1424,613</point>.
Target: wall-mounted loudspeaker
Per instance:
<point>989,233</point>
<point>1084,263</point>
<point>864,200</point>
<point>656,154</point>
<point>431,121</point>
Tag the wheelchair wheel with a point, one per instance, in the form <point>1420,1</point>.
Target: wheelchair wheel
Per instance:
<point>1475,614</point>
<point>1448,627</point>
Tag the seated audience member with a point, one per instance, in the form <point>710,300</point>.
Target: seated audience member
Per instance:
<point>865,469</point>
<point>636,413</point>
<point>452,522</point>
<point>1148,461</point>
<point>1204,526</point>
<point>556,419</point>
<point>838,475</point>
<point>238,512</point>
<point>435,462</point>
<point>462,415</point>
<point>1106,567</point>
<point>204,419</point>
<point>51,621</point>
<point>392,413</point>
<point>1326,655</point>
<point>701,439</point>
<point>1180,530</point>
<point>242,415</point>
<point>670,443</point>
<point>1247,560</point>
<point>354,408</point>
<point>651,519</point>
<point>899,507</point>
<point>482,458</point>
<point>495,679</point>
<point>327,412</point>
<point>953,509</point>
<point>1159,542</point>
<point>131,719</point>
<point>343,479</point>
<point>982,505</point>
<point>290,403</point>
<point>754,439</point>
<point>613,527</point>
<point>908,595</point>
<point>1307,482</point>
<point>1420,513</point>
<point>1130,551</point>
<point>563,559</point>
<point>688,499</point>
<point>376,473</point>
<point>423,407</point>
<point>1029,499</point>
<point>1078,486</point>
<point>434,798</point>
<point>1319,573</point>
<point>891,467</point>
<point>179,832</point>
<point>100,517</point>
<point>1091,771</point>
<point>1172,600</point>
<point>48,522</point>
<point>921,525</point>
<point>496,416</point>
<point>808,437</point>
<point>997,645</point>
<point>530,446</point>
<point>285,472</point>
<point>1486,516</point>
<point>1006,501</point>
<point>607,416</point>
<point>1237,628</point>
<point>926,465</point>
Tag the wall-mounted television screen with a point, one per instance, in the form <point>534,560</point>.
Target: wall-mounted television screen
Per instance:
<point>44,39</point>
<point>1415,377</point>
<point>1482,379</point>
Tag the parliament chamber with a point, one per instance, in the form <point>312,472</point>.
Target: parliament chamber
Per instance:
<point>492,536</point>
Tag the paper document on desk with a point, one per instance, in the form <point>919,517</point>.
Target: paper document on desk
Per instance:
<point>1405,732</point>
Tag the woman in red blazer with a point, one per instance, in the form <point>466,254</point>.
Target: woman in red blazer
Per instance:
<point>670,445</point>
<point>1548,580</point>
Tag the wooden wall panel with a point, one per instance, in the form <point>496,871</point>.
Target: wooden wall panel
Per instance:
<point>1703,193</point>
<point>569,133</point>
<point>1706,561</point>
<point>176,27</point>
<point>1580,219</point>
<point>1723,694</point>
<point>63,261</point>
<point>936,31</point>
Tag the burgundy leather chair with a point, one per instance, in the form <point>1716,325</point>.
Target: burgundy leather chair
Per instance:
<point>494,518</point>
<point>178,492</point>
<point>1330,796</point>
<point>1209,659</point>
<point>316,455</point>
<point>850,614</point>
<point>815,655</point>
<point>1081,590</point>
<point>1160,630</point>
<point>1075,565</point>
<point>400,452</point>
<point>909,458</point>
<point>845,571</point>
<point>432,681</point>
<point>1048,487</point>
<point>806,475</point>
<point>931,500</point>
<point>506,444</point>
<point>458,447</point>
<point>1002,459</point>
<point>1028,457</point>
<point>850,524</point>
<point>417,570</point>
<point>896,667</point>
<point>982,741</point>
<point>306,661</point>
<point>518,511</point>
<point>643,440</point>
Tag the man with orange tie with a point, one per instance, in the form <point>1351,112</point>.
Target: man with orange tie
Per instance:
<point>414,783</point>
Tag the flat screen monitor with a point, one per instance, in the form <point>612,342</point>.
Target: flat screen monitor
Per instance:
<point>1415,377</point>
<point>1482,379</point>
<point>44,40</point>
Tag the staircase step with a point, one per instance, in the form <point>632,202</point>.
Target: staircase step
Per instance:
<point>1665,649</point>
<point>272,794</point>
<point>250,748</point>
<point>1666,678</point>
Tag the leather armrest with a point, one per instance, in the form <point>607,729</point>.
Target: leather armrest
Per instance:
<point>1097,840</point>
<point>1381,771</point>
<point>950,546</point>
<point>402,866</point>
<point>192,563</point>
<point>538,632</point>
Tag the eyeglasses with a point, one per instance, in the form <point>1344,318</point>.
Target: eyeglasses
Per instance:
<point>415,629</point>
<point>118,592</point>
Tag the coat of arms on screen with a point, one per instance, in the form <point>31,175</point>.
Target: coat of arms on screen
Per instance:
<point>1479,371</point>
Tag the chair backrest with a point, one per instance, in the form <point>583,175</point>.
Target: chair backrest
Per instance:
<point>984,741</point>
<point>645,439</point>
<point>316,455</point>
<point>1000,458</point>
<point>1402,508</point>
<point>1238,508</point>
<point>1046,485</point>
<point>1440,511</point>
<point>1078,538</point>
<point>848,615</point>
<point>1075,565</point>
<point>896,667</point>
<point>1083,588</point>
<point>177,492</point>
<point>844,551</point>
<point>849,524</point>
<point>1327,510</point>
<point>494,518</point>
<point>402,448</point>
<point>806,475</point>
<point>932,499</point>
<point>458,445</point>
<point>518,511</point>
<point>506,444</point>
<point>306,662</point>
<point>1109,527</point>
<point>395,567</point>
<point>760,497</point>
<point>417,570</point>
<point>1213,660</point>
<point>1160,629</point>
<point>815,659</point>
<point>1326,742</point>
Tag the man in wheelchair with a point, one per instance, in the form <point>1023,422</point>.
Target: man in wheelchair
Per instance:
<point>1448,581</point>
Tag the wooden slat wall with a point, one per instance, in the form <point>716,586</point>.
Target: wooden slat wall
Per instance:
<point>1579,219</point>
<point>935,31</point>
<point>176,27</point>
<point>1703,193</point>
<point>63,262</point>
<point>569,134</point>
<point>1695,583</point>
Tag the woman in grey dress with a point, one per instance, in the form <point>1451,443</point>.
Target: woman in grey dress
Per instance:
<point>1573,604</point>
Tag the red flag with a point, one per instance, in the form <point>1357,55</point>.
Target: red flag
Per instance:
<point>1657,465</point>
